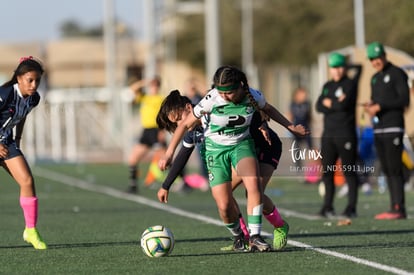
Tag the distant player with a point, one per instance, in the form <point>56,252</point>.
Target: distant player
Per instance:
<point>18,97</point>
<point>151,137</point>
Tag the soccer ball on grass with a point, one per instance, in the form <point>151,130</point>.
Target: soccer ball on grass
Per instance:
<point>157,241</point>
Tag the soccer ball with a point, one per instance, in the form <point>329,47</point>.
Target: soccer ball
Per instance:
<point>157,241</point>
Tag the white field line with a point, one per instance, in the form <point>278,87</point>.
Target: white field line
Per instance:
<point>71,181</point>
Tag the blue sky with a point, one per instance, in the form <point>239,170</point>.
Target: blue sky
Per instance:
<point>39,20</point>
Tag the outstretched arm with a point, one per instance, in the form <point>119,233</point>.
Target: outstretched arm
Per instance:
<point>177,167</point>
<point>181,129</point>
<point>135,86</point>
<point>282,120</point>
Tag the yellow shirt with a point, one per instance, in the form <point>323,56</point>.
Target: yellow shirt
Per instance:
<point>150,106</point>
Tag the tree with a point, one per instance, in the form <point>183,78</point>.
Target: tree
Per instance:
<point>71,28</point>
<point>294,32</point>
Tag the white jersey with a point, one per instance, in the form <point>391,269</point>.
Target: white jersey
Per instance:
<point>228,123</point>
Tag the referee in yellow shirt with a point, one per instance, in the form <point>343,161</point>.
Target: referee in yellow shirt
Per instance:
<point>150,103</point>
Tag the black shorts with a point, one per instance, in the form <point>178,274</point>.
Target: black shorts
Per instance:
<point>269,154</point>
<point>149,137</point>
<point>13,151</point>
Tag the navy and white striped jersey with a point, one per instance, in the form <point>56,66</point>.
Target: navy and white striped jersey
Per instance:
<point>13,109</point>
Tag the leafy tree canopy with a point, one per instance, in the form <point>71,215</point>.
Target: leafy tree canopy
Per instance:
<point>294,32</point>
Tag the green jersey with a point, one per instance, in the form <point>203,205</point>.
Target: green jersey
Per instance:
<point>228,123</point>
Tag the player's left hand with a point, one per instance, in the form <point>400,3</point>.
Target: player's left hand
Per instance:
<point>298,130</point>
<point>164,162</point>
<point>265,132</point>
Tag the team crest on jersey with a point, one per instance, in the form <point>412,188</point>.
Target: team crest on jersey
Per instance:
<point>339,92</point>
<point>387,78</point>
<point>396,141</point>
<point>210,176</point>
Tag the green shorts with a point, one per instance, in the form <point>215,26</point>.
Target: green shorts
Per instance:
<point>220,159</point>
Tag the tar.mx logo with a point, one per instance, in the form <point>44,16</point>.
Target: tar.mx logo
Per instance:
<point>303,154</point>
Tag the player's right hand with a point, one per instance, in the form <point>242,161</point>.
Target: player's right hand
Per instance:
<point>299,130</point>
<point>162,195</point>
<point>4,151</point>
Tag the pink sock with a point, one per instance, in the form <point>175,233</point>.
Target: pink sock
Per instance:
<point>29,206</point>
<point>274,218</point>
<point>244,228</point>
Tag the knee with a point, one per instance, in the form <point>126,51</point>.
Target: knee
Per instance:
<point>27,189</point>
<point>26,183</point>
<point>253,188</point>
<point>223,206</point>
<point>225,209</point>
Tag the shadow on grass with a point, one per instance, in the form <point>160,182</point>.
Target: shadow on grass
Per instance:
<point>75,245</point>
<point>100,244</point>
<point>229,240</point>
<point>218,253</point>
<point>136,243</point>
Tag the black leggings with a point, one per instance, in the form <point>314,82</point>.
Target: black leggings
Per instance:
<point>389,148</point>
<point>345,148</point>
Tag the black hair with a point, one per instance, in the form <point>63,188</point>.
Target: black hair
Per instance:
<point>172,103</point>
<point>27,64</point>
<point>232,76</point>
<point>229,75</point>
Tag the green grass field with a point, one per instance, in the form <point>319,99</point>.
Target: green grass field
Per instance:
<point>93,227</point>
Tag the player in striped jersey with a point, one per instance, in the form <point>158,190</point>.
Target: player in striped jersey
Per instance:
<point>18,97</point>
<point>230,107</point>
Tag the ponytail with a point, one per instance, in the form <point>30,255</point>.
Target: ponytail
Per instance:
<point>26,64</point>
